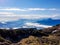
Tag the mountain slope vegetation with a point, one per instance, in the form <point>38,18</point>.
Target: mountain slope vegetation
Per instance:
<point>30,36</point>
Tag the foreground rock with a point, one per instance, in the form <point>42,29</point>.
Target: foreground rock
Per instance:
<point>30,36</point>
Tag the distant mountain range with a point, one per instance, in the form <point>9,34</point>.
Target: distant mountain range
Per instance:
<point>22,23</point>
<point>49,21</point>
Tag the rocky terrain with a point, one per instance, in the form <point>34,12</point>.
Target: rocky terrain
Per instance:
<point>30,36</point>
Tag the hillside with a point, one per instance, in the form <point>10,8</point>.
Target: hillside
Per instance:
<point>30,36</point>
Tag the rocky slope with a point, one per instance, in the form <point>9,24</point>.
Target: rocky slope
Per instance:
<point>30,36</point>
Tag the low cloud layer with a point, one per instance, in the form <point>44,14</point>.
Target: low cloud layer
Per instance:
<point>35,25</point>
<point>9,16</point>
<point>28,9</point>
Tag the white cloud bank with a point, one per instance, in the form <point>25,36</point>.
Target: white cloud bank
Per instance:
<point>41,9</point>
<point>31,25</point>
<point>9,16</point>
<point>28,9</point>
<point>12,9</point>
<point>35,25</point>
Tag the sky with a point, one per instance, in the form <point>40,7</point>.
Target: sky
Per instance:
<point>12,10</point>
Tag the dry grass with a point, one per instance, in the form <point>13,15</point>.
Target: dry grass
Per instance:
<point>31,40</point>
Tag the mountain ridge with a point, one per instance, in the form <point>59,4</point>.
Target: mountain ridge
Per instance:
<point>22,36</point>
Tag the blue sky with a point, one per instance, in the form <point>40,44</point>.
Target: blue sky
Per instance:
<point>12,10</point>
<point>30,3</point>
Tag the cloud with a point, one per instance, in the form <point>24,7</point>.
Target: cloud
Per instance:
<point>9,16</point>
<point>55,17</point>
<point>12,9</point>
<point>28,9</point>
<point>34,9</point>
<point>35,25</point>
<point>6,13</point>
<point>41,9</point>
<point>30,25</point>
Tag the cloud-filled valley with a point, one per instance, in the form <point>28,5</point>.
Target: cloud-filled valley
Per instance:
<point>10,18</point>
<point>28,23</point>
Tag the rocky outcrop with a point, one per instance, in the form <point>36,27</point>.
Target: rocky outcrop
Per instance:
<point>30,36</point>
